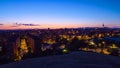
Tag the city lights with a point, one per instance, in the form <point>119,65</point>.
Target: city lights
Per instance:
<point>64,33</point>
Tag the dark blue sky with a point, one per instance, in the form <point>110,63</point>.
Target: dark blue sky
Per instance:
<point>61,12</point>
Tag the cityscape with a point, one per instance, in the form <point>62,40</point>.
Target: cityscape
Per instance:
<point>16,45</point>
<point>59,34</point>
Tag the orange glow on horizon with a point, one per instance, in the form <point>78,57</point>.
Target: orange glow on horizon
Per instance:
<point>45,26</point>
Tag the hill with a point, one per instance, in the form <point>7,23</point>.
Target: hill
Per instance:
<point>72,60</point>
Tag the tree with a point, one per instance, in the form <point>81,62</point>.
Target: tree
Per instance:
<point>74,44</point>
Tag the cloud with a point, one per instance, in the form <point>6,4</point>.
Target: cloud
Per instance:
<point>19,24</point>
<point>31,24</point>
<point>1,24</point>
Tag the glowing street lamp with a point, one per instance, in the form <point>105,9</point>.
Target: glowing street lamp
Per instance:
<point>113,46</point>
<point>65,51</point>
<point>92,43</point>
<point>103,42</point>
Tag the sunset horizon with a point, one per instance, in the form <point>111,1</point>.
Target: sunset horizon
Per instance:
<point>52,26</point>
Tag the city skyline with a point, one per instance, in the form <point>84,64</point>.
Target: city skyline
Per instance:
<point>58,13</point>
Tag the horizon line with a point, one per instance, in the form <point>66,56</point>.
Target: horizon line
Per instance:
<point>56,28</point>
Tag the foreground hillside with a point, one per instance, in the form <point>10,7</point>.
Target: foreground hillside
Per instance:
<point>72,60</point>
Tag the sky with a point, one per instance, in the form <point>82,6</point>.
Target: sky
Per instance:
<point>20,14</point>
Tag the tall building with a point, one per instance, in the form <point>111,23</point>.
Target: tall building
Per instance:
<point>17,47</point>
